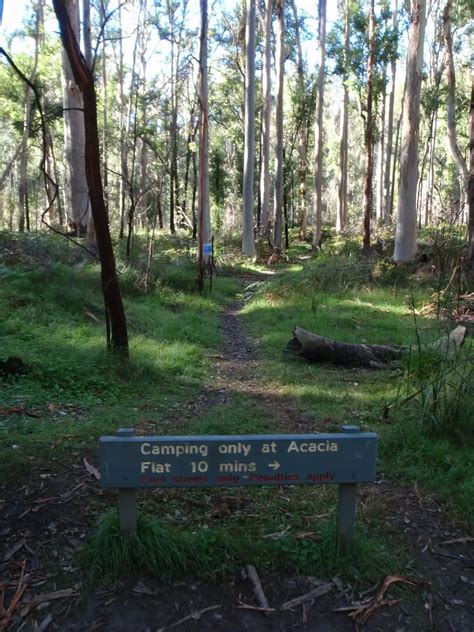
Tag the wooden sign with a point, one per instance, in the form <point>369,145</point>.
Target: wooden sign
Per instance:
<point>128,462</point>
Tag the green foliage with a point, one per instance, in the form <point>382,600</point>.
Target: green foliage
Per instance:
<point>52,318</point>
<point>439,382</point>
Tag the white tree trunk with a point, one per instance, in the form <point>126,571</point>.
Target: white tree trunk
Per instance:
<point>389,145</point>
<point>204,232</point>
<point>75,185</point>
<point>266,120</point>
<point>248,238</point>
<point>405,238</point>
<point>341,217</point>
<point>318,128</point>
<point>470,195</point>
<point>451,96</point>
<point>280,72</point>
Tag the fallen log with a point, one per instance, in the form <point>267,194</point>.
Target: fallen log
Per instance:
<point>316,348</point>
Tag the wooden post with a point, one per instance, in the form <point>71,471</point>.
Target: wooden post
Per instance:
<point>127,499</point>
<point>346,506</point>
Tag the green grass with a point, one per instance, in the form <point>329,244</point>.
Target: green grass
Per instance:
<point>340,306</point>
<point>52,318</point>
<point>168,553</point>
<point>50,303</point>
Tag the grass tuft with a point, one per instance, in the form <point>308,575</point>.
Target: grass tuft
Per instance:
<point>167,553</point>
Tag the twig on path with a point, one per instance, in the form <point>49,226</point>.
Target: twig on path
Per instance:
<point>7,619</point>
<point>66,593</point>
<point>15,548</point>
<point>463,540</point>
<point>257,587</point>
<point>364,610</point>
<point>44,624</point>
<point>194,616</point>
<point>247,606</point>
<point>312,594</point>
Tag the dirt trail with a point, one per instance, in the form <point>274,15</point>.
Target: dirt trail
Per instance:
<point>51,530</point>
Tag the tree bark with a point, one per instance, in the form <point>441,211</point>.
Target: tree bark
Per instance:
<point>204,231</point>
<point>369,133</point>
<point>405,238</point>
<point>316,348</point>
<point>320,349</point>
<point>451,96</point>
<point>387,208</point>
<point>248,238</point>
<point>75,186</point>
<point>341,218</point>
<point>266,121</point>
<point>82,75</point>
<point>470,194</point>
<point>318,128</point>
<point>22,170</point>
<point>302,132</point>
<point>280,71</point>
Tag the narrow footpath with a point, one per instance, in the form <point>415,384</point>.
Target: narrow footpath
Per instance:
<point>50,533</point>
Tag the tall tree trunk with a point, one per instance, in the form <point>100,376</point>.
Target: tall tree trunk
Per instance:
<point>302,132</point>
<point>86,32</point>
<point>173,143</point>
<point>105,142</point>
<point>22,170</point>
<point>405,238</point>
<point>204,232</point>
<point>280,71</point>
<point>82,75</point>
<point>431,164</point>
<point>266,120</point>
<point>470,193</point>
<point>341,218</point>
<point>122,124</point>
<point>369,132</point>
<point>451,97</point>
<point>76,188</point>
<point>248,238</point>
<point>387,213</point>
<point>381,154</point>
<point>318,128</point>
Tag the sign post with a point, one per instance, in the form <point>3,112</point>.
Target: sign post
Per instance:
<point>346,504</point>
<point>347,458</point>
<point>127,498</point>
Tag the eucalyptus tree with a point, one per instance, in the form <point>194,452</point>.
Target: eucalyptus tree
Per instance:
<point>318,126</point>
<point>248,238</point>
<point>280,71</point>
<point>341,217</point>
<point>77,203</point>
<point>389,153</point>
<point>405,238</point>
<point>373,44</point>
<point>23,202</point>
<point>117,336</point>
<point>303,95</point>
<point>470,191</point>
<point>451,93</point>
<point>204,230</point>
<point>266,21</point>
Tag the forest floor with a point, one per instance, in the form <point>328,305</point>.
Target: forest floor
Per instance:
<point>47,517</point>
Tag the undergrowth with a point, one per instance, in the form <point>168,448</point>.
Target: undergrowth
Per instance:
<point>168,553</point>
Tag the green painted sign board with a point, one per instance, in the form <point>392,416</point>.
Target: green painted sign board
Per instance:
<point>129,462</point>
<point>236,460</point>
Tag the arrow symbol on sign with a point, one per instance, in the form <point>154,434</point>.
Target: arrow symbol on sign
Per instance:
<point>275,465</point>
